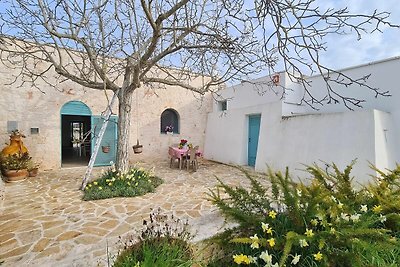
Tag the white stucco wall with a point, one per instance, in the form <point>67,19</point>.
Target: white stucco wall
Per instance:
<point>253,93</point>
<point>293,141</point>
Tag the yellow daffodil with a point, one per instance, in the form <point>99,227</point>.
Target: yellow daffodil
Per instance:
<point>272,214</point>
<point>377,208</point>
<point>333,230</point>
<point>340,205</point>
<point>110,184</point>
<point>100,188</point>
<point>364,208</point>
<point>255,241</point>
<point>95,183</point>
<point>239,259</point>
<point>269,231</point>
<point>90,185</point>
<point>309,233</point>
<point>314,222</point>
<point>271,242</point>
<point>318,256</point>
<point>303,243</point>
<point>296,259</point>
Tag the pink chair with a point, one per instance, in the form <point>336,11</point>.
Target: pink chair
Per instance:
<point>173,157</point>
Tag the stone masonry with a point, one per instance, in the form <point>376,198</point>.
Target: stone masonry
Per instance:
<point>44,221</point>
<point>40,107</point>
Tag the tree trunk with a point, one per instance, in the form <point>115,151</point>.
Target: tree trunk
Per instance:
<point>124,127</point>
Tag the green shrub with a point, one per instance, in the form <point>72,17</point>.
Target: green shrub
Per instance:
<point>324,223</point>
<point>111,184</point>
<point>15,162</point>
<point>163,242</point>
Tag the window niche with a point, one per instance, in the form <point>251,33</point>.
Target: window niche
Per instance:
<point>222,105</point>
<point>169,121</point>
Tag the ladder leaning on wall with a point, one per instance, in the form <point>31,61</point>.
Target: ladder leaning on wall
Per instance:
<point>107,115</point>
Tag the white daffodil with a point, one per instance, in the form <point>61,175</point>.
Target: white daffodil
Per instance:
<point>364,208</point>
<point>266,257</point>
<point>355,217</point>
<point>303,243</point>
<point>255,241</point>
<point>264,226</point>
<point>345,216</point>
<point>296,259</point>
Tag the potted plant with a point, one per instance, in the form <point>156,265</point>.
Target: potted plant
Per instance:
<point>137,148</point>
<point>33,169</point>
<point>15,167</point>
<point>106,148</point>
<point>169,129</point>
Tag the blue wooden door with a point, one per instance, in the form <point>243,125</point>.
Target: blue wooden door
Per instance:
<point>109,139</point>
<point>254,131</point>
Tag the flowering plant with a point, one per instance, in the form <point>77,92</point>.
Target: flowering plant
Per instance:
<point>182,143</point>
<point>169,128</point>
<point>327,222</point>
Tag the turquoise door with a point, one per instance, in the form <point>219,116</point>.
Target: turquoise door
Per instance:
<point>109,139</point>
<point>254,131</point>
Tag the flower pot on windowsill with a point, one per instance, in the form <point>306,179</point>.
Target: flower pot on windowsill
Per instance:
<point>137,149</point>
<point>105,149</point>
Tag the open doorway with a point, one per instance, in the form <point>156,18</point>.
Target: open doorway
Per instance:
<point>76,140</point>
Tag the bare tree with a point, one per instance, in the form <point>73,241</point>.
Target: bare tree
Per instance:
<point>120,45</point>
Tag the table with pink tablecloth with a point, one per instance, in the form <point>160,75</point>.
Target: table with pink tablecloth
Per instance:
<point>178,153</point>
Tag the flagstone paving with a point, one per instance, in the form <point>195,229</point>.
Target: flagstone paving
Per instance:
<point>44,222</point>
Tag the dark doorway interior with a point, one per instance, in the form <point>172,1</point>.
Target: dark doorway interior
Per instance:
<point>75,140</point>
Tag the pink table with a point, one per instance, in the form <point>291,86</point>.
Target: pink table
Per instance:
<point>178,153</point>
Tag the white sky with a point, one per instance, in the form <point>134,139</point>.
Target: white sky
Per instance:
<point>346,51</point>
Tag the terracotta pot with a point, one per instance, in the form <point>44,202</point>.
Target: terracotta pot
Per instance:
<point>15,175</point>
<point>137,148</point>
<point>105,149</point>
<point>34,172</point>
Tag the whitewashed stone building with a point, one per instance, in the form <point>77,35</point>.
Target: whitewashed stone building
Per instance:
<point>54,118</point>
<point>256,126</point>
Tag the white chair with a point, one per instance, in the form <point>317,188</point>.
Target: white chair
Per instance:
<point>191,158</point>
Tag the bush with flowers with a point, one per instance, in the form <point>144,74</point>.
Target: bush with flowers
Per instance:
<point>326,222</point>
<point>135,182</point>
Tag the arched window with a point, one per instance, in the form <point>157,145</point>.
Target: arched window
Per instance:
<point>169,121</point>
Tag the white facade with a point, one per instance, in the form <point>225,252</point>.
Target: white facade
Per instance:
<point>293,135</point>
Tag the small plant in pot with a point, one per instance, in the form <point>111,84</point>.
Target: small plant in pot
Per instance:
<point>15,167</point>
<point>33,169</point>
<point>106,148</point>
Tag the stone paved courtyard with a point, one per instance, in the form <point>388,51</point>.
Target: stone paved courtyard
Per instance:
<point>44,222</point>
